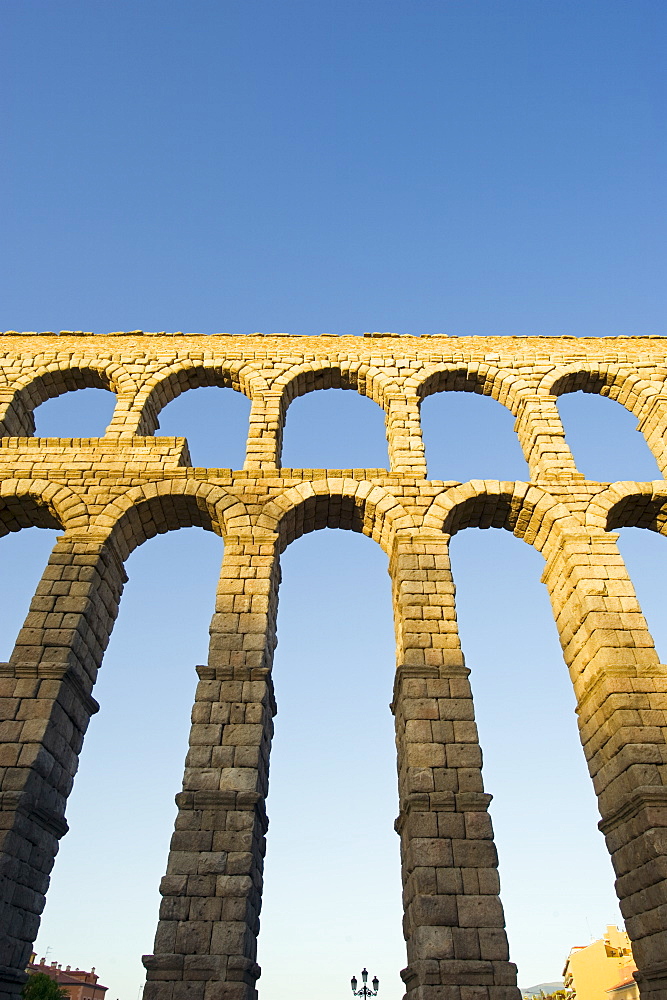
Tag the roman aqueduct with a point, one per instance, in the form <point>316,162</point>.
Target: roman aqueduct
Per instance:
<point>108,495</point>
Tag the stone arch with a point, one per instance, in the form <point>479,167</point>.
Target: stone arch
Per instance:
<point>630,505</point>
<point>189,373</point>
<point>527,511</point>
<point>638,394</point>
<point>356,506</point>
<point>515,394</point>
<point>322,373</point>
<point>482,378</point>
<point>620,383</point>
<point>28,503</point>
<point>156,508</point>
<point>24,394</point>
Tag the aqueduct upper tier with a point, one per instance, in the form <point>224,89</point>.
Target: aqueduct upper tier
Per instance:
<point>110,494</point>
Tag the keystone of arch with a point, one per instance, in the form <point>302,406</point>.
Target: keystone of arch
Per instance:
<point>336,503</point>
<point>527,511</point>
<point>367,379</point>
<point>39,503</point>
<point>630,505</point>
<point>155,508</point>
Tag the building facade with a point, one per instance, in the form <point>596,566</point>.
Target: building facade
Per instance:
<point>78,984</point>
<point>598,970</point>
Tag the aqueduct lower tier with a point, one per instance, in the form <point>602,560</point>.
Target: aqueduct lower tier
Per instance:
<point>110,494</point>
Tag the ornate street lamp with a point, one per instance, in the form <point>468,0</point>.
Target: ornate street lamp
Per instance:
<point>364,991</point>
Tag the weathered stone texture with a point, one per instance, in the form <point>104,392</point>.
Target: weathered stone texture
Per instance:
<point>110,494</point>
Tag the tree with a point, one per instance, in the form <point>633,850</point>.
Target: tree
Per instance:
<point>42,987</point>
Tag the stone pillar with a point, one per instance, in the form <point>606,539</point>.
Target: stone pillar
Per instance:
<point>404,434</point>
<point>265,432</point>
<point>653,425</point>
<point>132,418</point>
<point>47,704</point>
<point>542,437</point>
<point>621,693</point>
<point>206,941</point>
<point>454,923</point>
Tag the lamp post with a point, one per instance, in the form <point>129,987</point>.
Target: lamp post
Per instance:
<point>364,991</point>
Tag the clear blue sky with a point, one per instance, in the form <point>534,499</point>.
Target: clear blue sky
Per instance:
<point>476,167</point>
<point>473,168</point>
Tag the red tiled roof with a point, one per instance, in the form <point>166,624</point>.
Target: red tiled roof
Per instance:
<point>64,978</point>
<point>628,981</point>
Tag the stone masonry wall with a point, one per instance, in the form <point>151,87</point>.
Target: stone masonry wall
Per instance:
<point>110,494</point>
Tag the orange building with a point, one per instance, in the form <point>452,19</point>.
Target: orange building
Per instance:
<point>601,970</point>
<point>79,984</point>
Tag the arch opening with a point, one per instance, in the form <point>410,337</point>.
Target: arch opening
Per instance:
<point>638,518</point>
<point>489,449</point>
<point>602,434</point>
<point>644,553</point>
<point>333,791</point>
<point>25,552</point>
<point>214,420</point>
<point>83,413</point>
<point>171,383</point>
<point>544,809</point>
<point>54,382</point>
<point>156,508</point>
<point>336,429</point>
<point>122,806</point>
<point>29,527</point>
<point>26,511</point>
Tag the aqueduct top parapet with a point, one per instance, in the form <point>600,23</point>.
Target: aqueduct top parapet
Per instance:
<point>110,494</point>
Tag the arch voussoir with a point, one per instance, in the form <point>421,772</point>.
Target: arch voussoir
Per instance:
<point>357,506</point>
<point>527,511</point>
<point>623,383</point>
<point>68,373</point>
<point>23,392</point>
<point>161,387</point>
<point>630,505</point>
<point>485,379</point>
<point>41,503</point>
<point>156,508</point>
<point>327,373</point>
